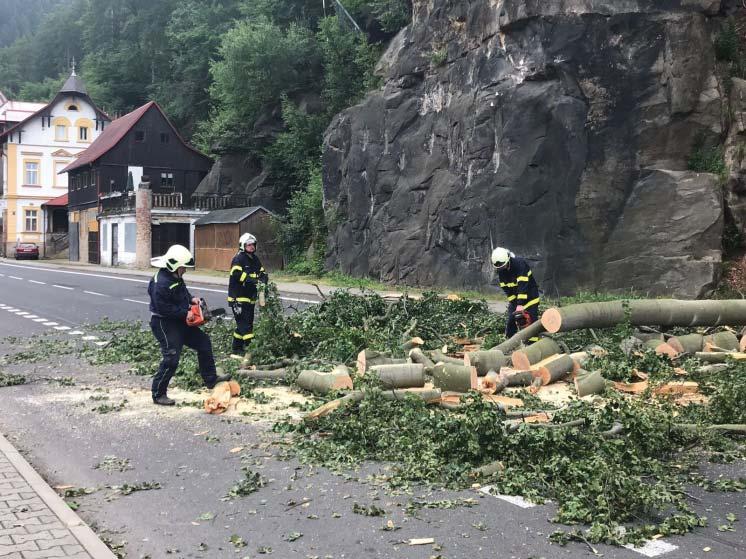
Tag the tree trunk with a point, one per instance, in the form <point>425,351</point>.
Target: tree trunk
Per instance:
<point>407,375</point>
<point>527,356</point>
<point>589,383</point>
<point>418,356</point>
<point>520,337</point>
<point>275,374</point>
<point>321,383</point>
<point>722,340</point>
<point>440,357</point>
<point>645,312</point>
<point>518,378</point>
<point>556,369</point>
<point>492,383</point>
<point>485,361</point>
<point>488,469</point>
<point>454,378</point>
<point>720,356</point>
<point>738,428</point>
<point>369,358</point>
<point>414,342</point>
<point>690,343</point>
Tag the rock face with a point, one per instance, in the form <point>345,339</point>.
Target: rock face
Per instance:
<point>558,128</point>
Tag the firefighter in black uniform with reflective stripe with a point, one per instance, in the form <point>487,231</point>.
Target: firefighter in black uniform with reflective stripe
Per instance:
<point>169,306</point>
<point>519,285</point>
<point>246,272</point>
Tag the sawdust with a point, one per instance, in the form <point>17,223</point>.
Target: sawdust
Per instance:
<point>557,393</point>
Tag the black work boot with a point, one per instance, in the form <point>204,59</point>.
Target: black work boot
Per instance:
<point>218,378</point>
<point>164,401</point>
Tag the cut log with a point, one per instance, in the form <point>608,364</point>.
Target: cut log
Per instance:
<point>516,378</point>
<point>369,358</point>
<point>485,361</point>
<point>414,342</point>
<point>714,357</point>
<point>645,312</point>
<point>587,383</point>
<point>257,374</point>
<point>685,387</point>
<point>492,383</point>
<point>738,428</point>
<point>631,387</point>
<point>647,336</point>
<point>322,383</point>
<point>440,357</point>
<point>525,357</point>
<point>407,375</point>
<point>726,340</point>
<point>690,343</point>
<point>488,469</point>
<point>556,370</point>
<point>581,357</point>
<point>742,343</point>
<point>710,369</point>
<point>503,401</point>
<point>418,356</point>
<point>521,337</point>
<point>661,348</point>
<point>454,378</point>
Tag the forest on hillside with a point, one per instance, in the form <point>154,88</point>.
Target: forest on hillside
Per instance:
<point>219,68</point>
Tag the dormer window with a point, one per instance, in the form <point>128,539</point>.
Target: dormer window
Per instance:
<point>139,136</point>
<point>72,108</point>
<point>83,133</point>
<point>60,132</point>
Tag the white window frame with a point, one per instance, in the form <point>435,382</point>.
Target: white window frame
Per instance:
<point>60,132</point>
<point>28,174</point>
<point>32,215</point>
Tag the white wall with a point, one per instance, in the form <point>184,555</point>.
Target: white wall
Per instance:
<point>125,258</point>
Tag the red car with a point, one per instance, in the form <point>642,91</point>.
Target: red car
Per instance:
<point>27,250</point>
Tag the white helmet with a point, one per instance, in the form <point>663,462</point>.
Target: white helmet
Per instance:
<point>176,257</point>
<point>246,239</point>
<point>500,257</point>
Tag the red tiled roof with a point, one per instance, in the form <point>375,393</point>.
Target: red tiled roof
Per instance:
<point>114,133</point>
<point>59,201</point>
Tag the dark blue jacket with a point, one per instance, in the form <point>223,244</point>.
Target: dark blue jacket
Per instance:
<point>246,271</point>
<point>169,296</point>
<point>518,283</point>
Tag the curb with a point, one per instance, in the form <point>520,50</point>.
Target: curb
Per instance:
<point>82,532</point>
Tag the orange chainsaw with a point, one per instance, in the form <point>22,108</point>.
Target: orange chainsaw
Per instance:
<point>522,319</point>
<point>199,313</point>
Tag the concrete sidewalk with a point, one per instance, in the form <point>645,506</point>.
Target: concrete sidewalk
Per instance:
<point>35,521</point>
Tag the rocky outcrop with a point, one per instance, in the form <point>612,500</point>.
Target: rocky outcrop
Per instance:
<point>558,128</point>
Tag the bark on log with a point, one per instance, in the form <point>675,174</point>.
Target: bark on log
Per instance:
<point>616,430</point>
<point>719,357</point>
<point>661,348</point>
<point>407,375</point>
<point>690,343</point>
<point>414,342</point>
<point>738,428</point>
<point>488,469</point>
<point>525,357</point>
<point>522,336</point>
<point>418,356</point>
<point>647,336</point>
<point>485,361</point>
<point>440,357</point>
<point>369,358</point>
<point>587,383</point>
<point>257,374</point>
<point>321,383</point>
<point>722,340</point>
<point>709,369</point>
<point>454,378</point>
<point>518,378</point>
<point>643,312</point>
<point>556,370</point>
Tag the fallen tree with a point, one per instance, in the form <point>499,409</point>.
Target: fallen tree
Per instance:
<point>320,383</point>
<point>405,375</point>
<point>645,312</point>
<point>520,338</point>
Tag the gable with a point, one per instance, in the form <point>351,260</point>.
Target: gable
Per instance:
<point>63,153</point>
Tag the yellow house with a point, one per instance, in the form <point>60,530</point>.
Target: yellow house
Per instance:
<point>33,151</point>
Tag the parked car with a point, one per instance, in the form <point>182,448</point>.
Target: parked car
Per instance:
<point>27,250</point>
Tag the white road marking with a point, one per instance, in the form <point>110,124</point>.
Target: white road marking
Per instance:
<point>94,293</point>
<point>513,499</point>
<point>11,309</point>
<point>135,301</point>
<point>61,328</point>
<point>2,275</point>
<point>15,277</point>
<point>21,313</point>
<point>76,333</point>
<point>41,319</point>
<point>90,338</point>
<point>31,316</point>
<point>51,323</point>
<point>653,548</point>
<point>101,343</point>
<point>39,282</point>
<point>62,287</point>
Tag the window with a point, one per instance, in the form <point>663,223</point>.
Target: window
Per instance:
<point>167,180</point>
<point>31,220</point>
<point>32,173</point>
<point>164,138</point>
<point>72,108</point>
<point>60,132</point>
<point>104,236</point>
<point>139,136</point>
<point>83,133</point>
<point>130,237</point>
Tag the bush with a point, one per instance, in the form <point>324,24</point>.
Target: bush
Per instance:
<point>707,160</point>
<point>727,43</point>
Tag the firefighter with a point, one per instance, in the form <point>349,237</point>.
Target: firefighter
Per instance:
<point>246,273</point>
<point>170,303</point>
<point>519,285</point>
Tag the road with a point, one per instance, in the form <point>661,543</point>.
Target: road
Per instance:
<point>38,298</point>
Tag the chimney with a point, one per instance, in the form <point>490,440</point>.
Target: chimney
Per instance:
<point>143,208</point>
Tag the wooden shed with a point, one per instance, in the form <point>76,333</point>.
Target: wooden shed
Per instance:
<point>216,237</point>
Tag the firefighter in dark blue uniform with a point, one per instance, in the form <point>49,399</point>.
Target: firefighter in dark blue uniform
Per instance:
<point>520,287</point>
<point>246,272</point>
<point>169,306</point>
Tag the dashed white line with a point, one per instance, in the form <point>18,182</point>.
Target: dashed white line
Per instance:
<point>31,316</point>
<point>76,333</point>
<point>90,338</point>
<point>51,323</point>
<point>61,328</point>
<point>94,293</point>
<point>15,277</point>
<point>653,548</point>
<point>21,313</point>
<point>62,287</point>
<point>11,309</point>
<point>101,344</point>
<point>39,282</point>
<point>513,499</point>
<point>40,320</point>
<point>135,301</point>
